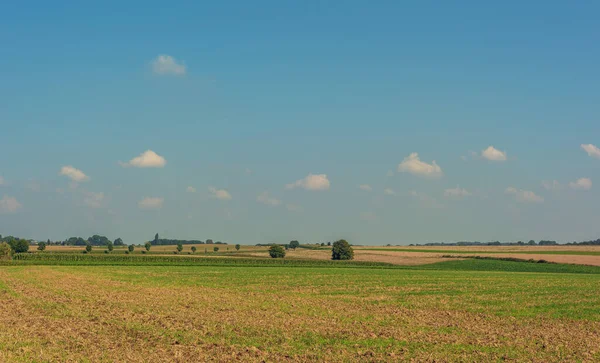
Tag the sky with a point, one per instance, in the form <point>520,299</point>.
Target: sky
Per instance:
<point>253,122</point>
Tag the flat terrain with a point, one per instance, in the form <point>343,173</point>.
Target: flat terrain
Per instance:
<point>219,313</point>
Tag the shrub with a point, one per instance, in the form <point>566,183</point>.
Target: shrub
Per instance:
<point>41,246</point>
<point>130,248</point>
<point>342,251</point>
<point>294,244</point>
<point>194,249</point>
<point>237,247</point>
<point>19,245</point>
<point>85,251</point>
<point>88,248</point>
<point>276,251</point>
<point>216,249</point>
<point>110,246</point>
<point>179,247</point>
<point>106,251</point>
<point>5,251</point>
<point>144,251</point>
<point>147,245</point>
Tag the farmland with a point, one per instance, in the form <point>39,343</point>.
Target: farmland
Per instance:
<point>98,307</point>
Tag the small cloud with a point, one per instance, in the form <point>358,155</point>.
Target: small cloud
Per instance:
<point>456,193</point>
<point>93,200</point>
<point>365,187</point>
<point>167,65</point>
<point>551,185</point>
<point>413,165</point>
<point>221,194</point>
<point>426,200</point>
<point>9,205</point>
<point>74,174</point>
<point>493,154</point>
<point>293,207</point>
<point>148,159</point>
<point>151,203</point>
<point>581,184</point>
<point>311,182</point>
<point>266,199</point>
<point>591,150</point>
<point>190,190</point>
<point>368,216</point>
<point>524,196</point>
<point>389,191</point>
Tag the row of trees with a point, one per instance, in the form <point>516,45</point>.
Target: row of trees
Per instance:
<point>341,250</point>
<point>157,241</point>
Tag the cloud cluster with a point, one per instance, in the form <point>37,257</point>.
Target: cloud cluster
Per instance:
<point>591,150</point>
<point>9,204</point>
<point>551,185</point>
<point>413,165</point>
<point>148,159</point>
<point>456,193</point>
<point>315,182</point>
<point>266,199</point>
<point>524,196</point>
<point>167,65</point>
<point>151,203</point>
<point>581,184</point>
<point>389,191</point>
<point>365,187</point>
<point>493,154</point>
<point>74,174</point>
<point>221,194</point>
<point>190,189</point>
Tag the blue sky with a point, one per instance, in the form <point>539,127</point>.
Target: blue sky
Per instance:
<point>276,113</point>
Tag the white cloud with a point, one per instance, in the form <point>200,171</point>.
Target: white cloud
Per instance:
<point>148,159</point>
<point>190,190</point>
<point>491,153</point>
<point>581,184</point>
<point>389,191</point>
<point>456,192</point>
<point>426,200</point>
<point>265,198</point>
<point>311,182</point>
<point>365,187</point>
<point>151,203</point>
<point>221,194</point>
<point>74,174</point>
<point>551,185</point>
<point>93,200</point>
<point>167,65</point>
<point>412,164</point>
<point>293,207</point>
<point>9,204</point>
<point>524,196</point>
<point>591,150</point>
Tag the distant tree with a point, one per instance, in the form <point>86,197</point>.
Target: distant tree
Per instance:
<point>156,239</point>
<point>237,247</point>
<point>18,245</point>
<point>322,244</point>
<point>41,246</point>
<point>130,248</point>
<point>88,248</point>
<point>5,251</point>
<point>179,247</point>
<point>216,249</point>
<point>97,240</point>
<point>119,242</point>
<point>276,251</point>
<point>194,249</point>
<point>147,245</point>
<point>531,243</point>
<point>342,251</point>
<point>328,243</point>
<point>209,242</point>
<point>294,244</point>
<point>110,246</point>
<point>287,247</point>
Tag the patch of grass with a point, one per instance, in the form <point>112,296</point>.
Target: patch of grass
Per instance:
<point>532,251</point>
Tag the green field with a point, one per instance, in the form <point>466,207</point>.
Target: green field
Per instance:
<point>459,310</point>
<point>481,250</point>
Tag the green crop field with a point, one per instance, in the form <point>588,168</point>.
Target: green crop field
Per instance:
<point>457,310</point>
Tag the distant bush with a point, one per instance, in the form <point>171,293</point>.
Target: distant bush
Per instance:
<point>237,247</point>
<point>147,245</point>
<point>88,248</point>
<point>342,251</point>
<point>19,245</point>
<point>41,246</point>
<point>276,251</point>
<point>179,247</point>
<point>110,246</point>
<point>216,249</point>
<point>130,248</point>
<point>144,251</point>
<point>5,251</point>
<point>294,244</point>
<point>194,249</point>
<point>126,252</point>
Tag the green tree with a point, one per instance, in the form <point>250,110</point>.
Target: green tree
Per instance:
<point>328,243</point>
<point>216,249</point>
<point>41,246</point>
<point>119,242</point>
<point>193,249</point>
<point>276,251</point>
<point>5,251</point>
<point>179,247</point>
<point>156,239</point>
<point>237,247</point>
<point>18,245</point>
<point>130,248</point>
<point>110,246</point>
<point>342,251</point>
<point>148,245</point>
<point>88,248</point>
<point>209,242</point>
<point>531,242</point>
<point>294,244</point>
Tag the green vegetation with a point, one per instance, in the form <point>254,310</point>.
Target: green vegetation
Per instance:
<point>110,246</point>
<point>147,246</point>
<point>237,247</point>
<point>88,248</point>
<point>5,251</point>
<point>342,250</point>
<point>179,247</point>
<point>276,251</point>
<point>41,246</point>
<point>130,248</point>
<point>294,244</point>
<point>531,251</point>
<point>193,249</point>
